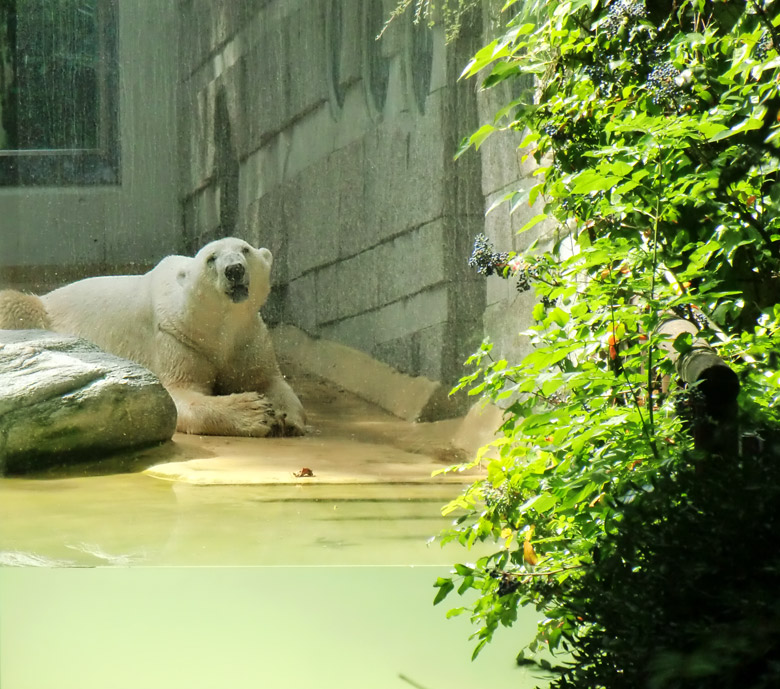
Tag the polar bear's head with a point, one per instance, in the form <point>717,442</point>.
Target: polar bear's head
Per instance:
<point>236,269</point>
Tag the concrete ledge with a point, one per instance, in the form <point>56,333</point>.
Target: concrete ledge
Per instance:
<point>479,428</point>
<point>407,397</point>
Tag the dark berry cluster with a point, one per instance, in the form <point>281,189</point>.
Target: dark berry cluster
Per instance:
<point>689,313</point>
<point>524,277</point>
<point>763,46</point>
<point>622,13</point>
<point>633,9</point>
<point>485,259</point>
<point>501,499</point>
<point>507,582</point>
<point>596,73</point>
<point>552,130</point>
<point>662,81</point>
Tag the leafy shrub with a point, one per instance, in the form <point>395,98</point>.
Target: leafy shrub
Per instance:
<point>682,594</point>
<point>656,128</point>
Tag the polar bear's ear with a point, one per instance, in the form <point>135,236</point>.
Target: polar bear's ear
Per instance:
<point>267,256</point>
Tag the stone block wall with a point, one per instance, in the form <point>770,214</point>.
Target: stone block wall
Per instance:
<point>285,122</point>
<point>302,133</point>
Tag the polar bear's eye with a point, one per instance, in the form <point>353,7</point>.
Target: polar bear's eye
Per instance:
<point>245,250</point>
<point>211,259</point>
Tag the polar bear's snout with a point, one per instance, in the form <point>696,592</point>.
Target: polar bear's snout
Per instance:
<point>235,272</point>
<point>238,290</point>
<point>234,276</point>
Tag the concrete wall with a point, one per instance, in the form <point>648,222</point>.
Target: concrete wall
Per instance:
<point>304,134</point>
<point>50,235</point>
<point>285,122</point>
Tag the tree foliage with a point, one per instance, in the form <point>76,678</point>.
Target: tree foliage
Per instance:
<point>656,129</point>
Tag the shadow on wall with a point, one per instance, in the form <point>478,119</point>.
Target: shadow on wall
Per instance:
<point>226,167</point>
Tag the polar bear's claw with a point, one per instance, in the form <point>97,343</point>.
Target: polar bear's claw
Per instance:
<point>252,414</point>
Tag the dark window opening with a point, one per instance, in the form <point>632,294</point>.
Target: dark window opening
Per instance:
<point>58,92</point>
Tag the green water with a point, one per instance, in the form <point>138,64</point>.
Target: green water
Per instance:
<point>240,628</point>
<point>168,586</point>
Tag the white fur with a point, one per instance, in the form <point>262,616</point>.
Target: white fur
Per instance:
<point>211,352</point>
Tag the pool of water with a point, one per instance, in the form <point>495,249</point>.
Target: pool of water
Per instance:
<point>165,585</point>
<point>133,581</point>
<point>133,519</point>
<point>242,628</point>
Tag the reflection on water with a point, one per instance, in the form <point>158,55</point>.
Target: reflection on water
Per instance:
<point>15,558</point>
<point>131,519</point>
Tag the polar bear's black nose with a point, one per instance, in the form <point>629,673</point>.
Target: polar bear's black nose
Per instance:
<point>234,272</point>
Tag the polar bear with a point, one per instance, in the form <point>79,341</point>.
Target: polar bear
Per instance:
<point>194,322</point>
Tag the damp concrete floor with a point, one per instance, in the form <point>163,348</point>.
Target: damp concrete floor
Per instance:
<point>361,487</point>
<point>348,441</point>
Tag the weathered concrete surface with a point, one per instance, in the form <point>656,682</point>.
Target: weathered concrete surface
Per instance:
<point>63,399</point>
<point>303,133</point>
<point>404,396</point>
<point>242,462</point>
<point>413,398</point>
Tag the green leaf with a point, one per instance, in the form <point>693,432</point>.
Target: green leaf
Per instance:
<point>445,587</point>
<point>748,124</point>
<point>478,137</point>
<point>559,316</point>
<point>478,648</point>
<point>683,342</point>
<point>540,503</point>
<point>590,181</point>
<point>465,585</point>
<point>533,222</point>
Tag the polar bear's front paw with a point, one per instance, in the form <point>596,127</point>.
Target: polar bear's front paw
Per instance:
<point>252,414</point>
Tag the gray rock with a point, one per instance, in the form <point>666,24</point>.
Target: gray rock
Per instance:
<point>63,400</point>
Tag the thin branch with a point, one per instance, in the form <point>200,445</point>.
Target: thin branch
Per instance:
<point>649,343</point>
<point>548,573</point>
<point>634,395</point>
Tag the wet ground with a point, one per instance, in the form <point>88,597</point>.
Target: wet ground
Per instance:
<point>357,489</point>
